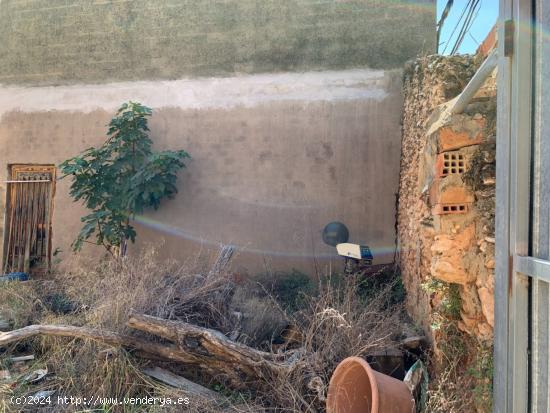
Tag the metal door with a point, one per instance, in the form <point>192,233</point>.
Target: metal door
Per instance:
<point>522,293</point>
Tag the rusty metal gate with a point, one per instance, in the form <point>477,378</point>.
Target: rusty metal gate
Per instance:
<point>27,246</point>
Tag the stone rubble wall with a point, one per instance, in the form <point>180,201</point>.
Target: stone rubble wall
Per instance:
<point>446,194</point>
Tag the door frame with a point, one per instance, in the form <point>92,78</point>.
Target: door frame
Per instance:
<point>515,267</point>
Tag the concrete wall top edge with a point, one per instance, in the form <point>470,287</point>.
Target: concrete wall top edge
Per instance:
<point>205,93</point>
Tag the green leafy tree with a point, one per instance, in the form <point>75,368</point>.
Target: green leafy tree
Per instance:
<point>120,179</point>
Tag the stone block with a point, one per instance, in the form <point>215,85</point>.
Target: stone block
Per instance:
<point>485,332</point>
<point>451,270</point>
<point>461,132</point>
<point>448,255</point>
<point>486,296</point>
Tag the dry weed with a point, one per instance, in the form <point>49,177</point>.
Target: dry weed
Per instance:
<point>113,289</point>
<point>334,324</point>
<point>462,373</point>
<point>337,323</point>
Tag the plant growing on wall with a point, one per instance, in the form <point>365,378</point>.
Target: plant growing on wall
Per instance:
<point>120,179</point>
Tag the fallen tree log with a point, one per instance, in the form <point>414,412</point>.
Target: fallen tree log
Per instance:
<point>212,350</point>
<point>192,337</point>
<point>167,352</point>
<point>207,349</point>
<point>241,366</point>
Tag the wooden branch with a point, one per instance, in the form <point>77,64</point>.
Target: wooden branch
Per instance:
<point>210,350</point>
<point>168,352</point>
<point>182,383</point>
<point>62,331</point>
<point>214,351</point>
<point>223,259</point>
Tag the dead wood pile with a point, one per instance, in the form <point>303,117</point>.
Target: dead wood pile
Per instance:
<point>243,367</point>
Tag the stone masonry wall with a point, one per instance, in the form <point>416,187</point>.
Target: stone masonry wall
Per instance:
<point>428,82</point>
<point>446,198</point>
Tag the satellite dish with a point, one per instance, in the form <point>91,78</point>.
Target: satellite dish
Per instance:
<point>335,233</point>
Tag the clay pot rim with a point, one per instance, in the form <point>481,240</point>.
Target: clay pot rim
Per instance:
<point>344,364</point>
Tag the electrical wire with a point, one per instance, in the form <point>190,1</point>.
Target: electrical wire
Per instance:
<point>456,26</point>
<point>442,19</point>
<point>472,15</point>
<point>464,26</point>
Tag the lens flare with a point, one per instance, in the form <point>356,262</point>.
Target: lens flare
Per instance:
<point>164,228</point>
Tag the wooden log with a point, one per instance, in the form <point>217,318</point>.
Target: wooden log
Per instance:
<point>192,336</point>
<point>182,383</point>
<point>212,350</point>
<point>242,366</point>
<point>168,352</point>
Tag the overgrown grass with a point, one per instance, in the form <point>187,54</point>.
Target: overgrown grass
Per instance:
<point>461,366</point>
<point>337,323</point>
<point>330,320</point>
<point>482,372</point>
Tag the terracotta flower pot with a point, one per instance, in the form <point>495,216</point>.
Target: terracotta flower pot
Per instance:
<point>356,388</point>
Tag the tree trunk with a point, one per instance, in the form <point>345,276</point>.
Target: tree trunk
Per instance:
<point>168,352</point>
<point>212,350</point>
<point>217,355</point>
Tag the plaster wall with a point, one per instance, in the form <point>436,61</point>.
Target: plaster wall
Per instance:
<point>275,158</point>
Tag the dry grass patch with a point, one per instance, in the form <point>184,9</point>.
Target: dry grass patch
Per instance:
<point>335,323</point>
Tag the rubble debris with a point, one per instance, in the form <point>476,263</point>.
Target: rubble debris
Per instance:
<point>35,376</point>
<point>417,381</point>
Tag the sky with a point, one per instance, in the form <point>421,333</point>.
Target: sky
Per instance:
<point>482,24</point>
